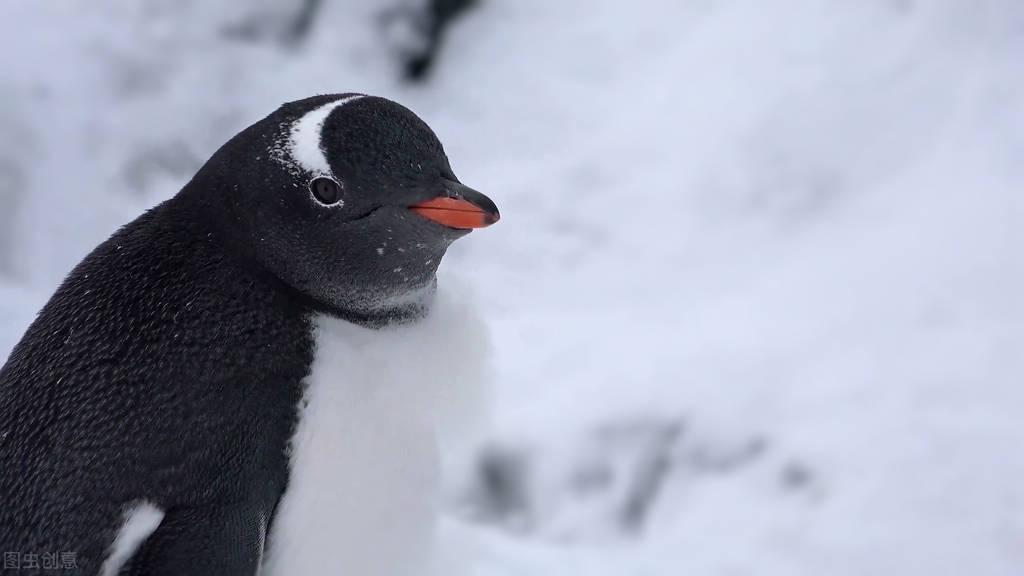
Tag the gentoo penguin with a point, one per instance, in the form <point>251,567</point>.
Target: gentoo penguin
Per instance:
<point>246,378</point>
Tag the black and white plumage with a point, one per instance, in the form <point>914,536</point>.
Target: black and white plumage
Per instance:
<point>247,377</point>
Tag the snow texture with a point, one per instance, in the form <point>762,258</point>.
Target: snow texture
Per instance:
<point>755,297</point>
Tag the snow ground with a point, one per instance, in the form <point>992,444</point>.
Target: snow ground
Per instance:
<point>787,232</point>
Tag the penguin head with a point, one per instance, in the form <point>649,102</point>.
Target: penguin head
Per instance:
<point>349,200</point>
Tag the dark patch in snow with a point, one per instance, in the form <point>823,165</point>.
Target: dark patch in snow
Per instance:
<point>286,28</point>
<point>420,32</point>
<point>415,31</point>
<point>16,149</point>
<point>798,478</point>
<point>719,460</point>
<point>795,476</point>
<point>502,495</point>
<point>653,467</point>
<point>609,481</point>
<point>168,159</point>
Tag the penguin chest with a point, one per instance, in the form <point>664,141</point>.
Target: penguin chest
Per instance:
<point>364,473</point>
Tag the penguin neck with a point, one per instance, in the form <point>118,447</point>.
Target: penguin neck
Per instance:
<point>405,308</point>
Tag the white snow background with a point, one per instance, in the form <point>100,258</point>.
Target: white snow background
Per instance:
<point>757,295</point>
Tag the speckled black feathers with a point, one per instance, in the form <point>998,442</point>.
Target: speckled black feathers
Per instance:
<point>162,370</point>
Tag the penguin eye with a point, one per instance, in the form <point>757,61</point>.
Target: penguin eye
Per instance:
<point>326,191</point>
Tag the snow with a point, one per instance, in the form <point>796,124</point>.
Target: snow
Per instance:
<point>789,231</point>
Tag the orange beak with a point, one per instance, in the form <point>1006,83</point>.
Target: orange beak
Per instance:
<point>463,209</point>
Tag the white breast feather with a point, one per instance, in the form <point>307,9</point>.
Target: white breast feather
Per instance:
<point>139,524</point>
<point>364,483</point>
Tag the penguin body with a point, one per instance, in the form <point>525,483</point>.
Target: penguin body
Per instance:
<point>243,379</point>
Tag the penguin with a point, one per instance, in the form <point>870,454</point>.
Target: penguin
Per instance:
<point>249,378</point>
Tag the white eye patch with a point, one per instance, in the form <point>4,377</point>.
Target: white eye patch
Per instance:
<point>305,146</point>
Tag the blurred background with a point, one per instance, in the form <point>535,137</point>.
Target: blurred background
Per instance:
<point>757,296</point>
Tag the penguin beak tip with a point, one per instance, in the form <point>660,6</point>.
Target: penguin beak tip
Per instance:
<point>458,212</point>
